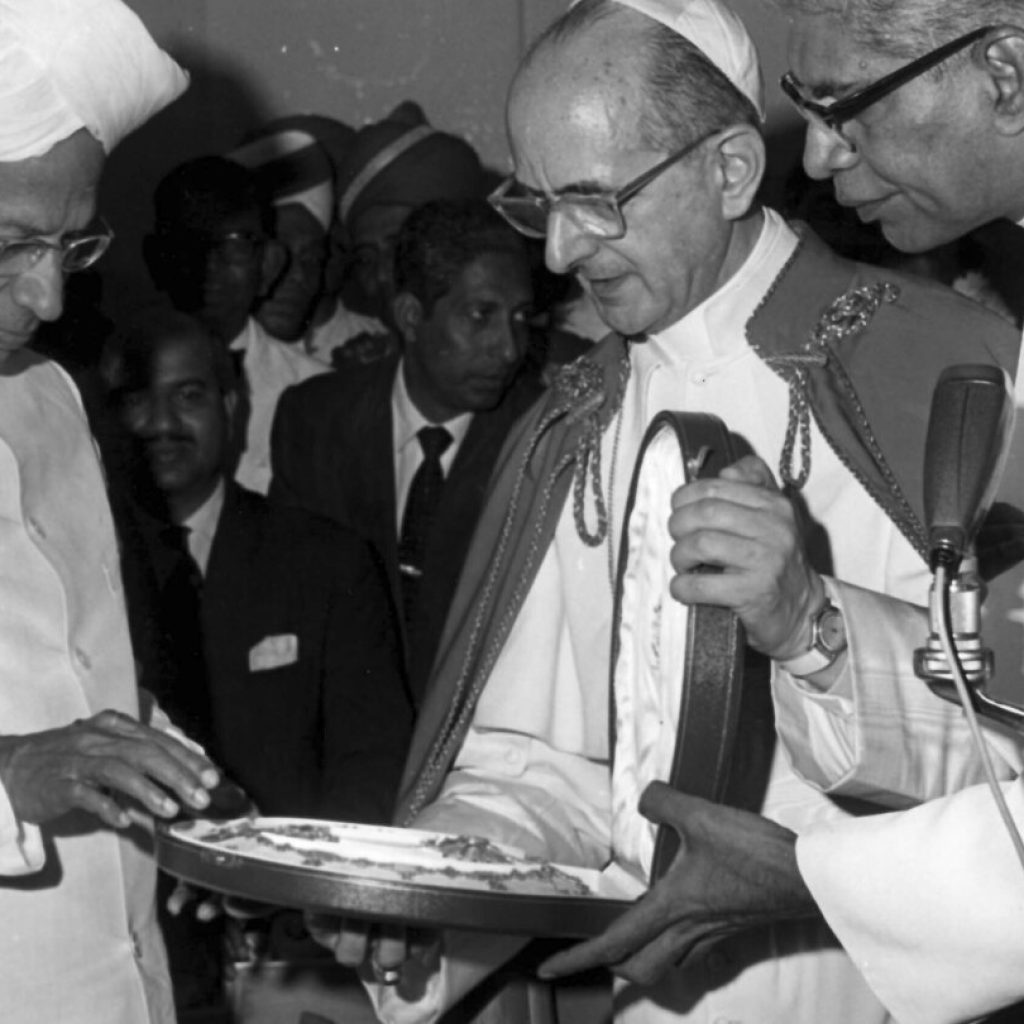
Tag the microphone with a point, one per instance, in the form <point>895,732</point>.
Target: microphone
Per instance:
<point>968,431</point>
<point>967,440</point>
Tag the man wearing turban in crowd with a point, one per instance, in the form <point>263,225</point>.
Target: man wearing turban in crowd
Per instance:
<point>80,775</point>
<point>393,166</point>
<point>332,323</point>
<point>295,171</point>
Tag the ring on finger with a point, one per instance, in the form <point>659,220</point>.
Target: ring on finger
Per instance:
<point>385,975</point>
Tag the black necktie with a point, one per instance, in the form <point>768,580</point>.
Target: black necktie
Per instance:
<point>181,620</point>
<point>420,506</point>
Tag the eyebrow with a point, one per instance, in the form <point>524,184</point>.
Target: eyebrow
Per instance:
<point>25,229</point>
<point>575,188</point>
<point>828,88</point>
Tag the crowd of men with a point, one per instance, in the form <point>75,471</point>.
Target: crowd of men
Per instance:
<point>336,524</point>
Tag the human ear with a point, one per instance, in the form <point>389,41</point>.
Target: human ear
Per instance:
<point>739,166</point>
<point>408,315</point>
<point>1002,60</point>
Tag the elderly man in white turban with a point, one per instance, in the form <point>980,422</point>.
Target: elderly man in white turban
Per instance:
<point>635,129</point>
<point>80,775</point>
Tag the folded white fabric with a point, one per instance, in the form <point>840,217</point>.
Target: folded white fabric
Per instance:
<point>274,652</point>
<point>718,33</point>
<point>73,64</point>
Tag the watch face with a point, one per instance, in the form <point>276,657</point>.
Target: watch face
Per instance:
<point>831,630</point>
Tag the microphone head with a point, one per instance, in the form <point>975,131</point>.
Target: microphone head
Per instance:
<point>968,429</point>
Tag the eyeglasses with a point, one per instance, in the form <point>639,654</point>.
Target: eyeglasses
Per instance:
<point>78,250</point>
<point>599,214</point>
<point>831,117</point>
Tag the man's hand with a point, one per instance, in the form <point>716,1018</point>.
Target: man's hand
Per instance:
<point>734,871</point>
<point>392,955</point>
<point>743,524</point>
<point>109,765</point>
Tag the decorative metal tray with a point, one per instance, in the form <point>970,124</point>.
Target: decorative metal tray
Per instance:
<point>425,879</point>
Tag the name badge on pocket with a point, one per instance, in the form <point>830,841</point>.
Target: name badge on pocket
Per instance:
<point>274,652</point>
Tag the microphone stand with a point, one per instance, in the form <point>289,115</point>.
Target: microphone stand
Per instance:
<point>966,444</point>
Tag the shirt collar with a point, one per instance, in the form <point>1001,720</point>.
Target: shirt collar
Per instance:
<point>202,526</point>
<point>408,420</point>
<point>716,329</point>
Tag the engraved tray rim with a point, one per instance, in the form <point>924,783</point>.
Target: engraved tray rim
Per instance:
<point>419,904</point>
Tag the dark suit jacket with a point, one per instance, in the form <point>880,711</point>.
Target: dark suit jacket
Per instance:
<point>332,453</point>
<point>320,735</point>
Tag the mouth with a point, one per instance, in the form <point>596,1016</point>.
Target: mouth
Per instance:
<point>604,289</point>
<point>166,454</point>
<point>867,210</point>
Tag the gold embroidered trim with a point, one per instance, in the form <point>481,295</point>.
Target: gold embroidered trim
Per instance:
<point>847,317</point>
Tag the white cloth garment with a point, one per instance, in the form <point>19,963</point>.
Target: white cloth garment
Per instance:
<point>269,366</point>
<point>929,903</point>
<point>202,527</point>
<point>534,769</point>
<point>73,64</point>
<point>406,423</point>
<point>79,943</point>
<point>334,333</point>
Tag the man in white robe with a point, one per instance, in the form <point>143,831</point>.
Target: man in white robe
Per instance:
<point>686,271</point>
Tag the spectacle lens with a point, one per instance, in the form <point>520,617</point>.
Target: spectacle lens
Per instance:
<point>77,251</point>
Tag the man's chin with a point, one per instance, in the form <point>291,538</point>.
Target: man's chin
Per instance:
<point>283,327</point>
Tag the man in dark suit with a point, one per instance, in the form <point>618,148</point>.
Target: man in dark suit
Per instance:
<point>357,445</point>
<point>302,694</point>
<point>268,631</point>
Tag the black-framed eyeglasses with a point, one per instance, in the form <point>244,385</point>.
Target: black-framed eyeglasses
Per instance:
<point>831,117</point>
<point>77,249</point>
<point>599,214</point>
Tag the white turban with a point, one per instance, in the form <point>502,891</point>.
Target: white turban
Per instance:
<point>718,33</point>
<point>72,64</point>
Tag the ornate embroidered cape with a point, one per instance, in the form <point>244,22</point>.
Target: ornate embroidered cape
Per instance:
<point>862,349</point>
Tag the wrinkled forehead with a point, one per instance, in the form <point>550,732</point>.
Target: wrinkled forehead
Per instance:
<point>826,57</point>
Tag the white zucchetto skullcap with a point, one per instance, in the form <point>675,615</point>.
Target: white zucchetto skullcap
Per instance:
<point>72,64</point>
<point>718,33</point>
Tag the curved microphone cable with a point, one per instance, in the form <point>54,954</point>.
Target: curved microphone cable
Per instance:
<point>941,616</point>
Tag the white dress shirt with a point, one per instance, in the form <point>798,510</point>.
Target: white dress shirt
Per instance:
<point>269,366</point>
<point>406,423</point>
<point>202,527</point>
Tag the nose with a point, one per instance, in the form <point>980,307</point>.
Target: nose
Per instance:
<point>40,289</point>
<point>510,340</point>
<point>567,244</point>
<point>825,153</point>
<point>151,416</point>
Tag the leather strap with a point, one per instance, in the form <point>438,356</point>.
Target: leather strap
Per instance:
<point>726,733</point>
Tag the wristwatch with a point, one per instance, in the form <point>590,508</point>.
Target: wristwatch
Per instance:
<point>828,641</point>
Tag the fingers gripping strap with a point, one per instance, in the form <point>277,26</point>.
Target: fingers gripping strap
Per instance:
<point>725,733</point>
